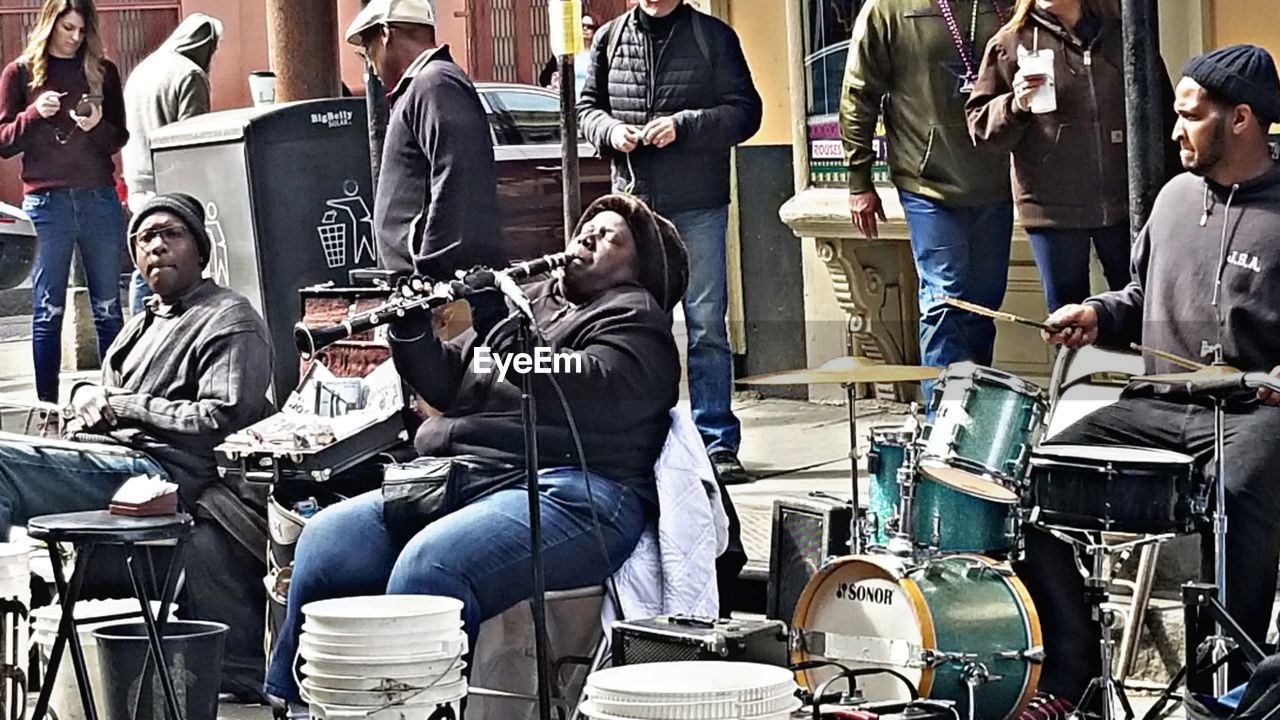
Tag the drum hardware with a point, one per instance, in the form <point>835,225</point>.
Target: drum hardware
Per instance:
<point>851,697</point>
<point>848,372</point>
<point>1096,586</point>
<point>1217,381</point>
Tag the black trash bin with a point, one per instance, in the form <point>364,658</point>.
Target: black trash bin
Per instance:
<point>193,652</point>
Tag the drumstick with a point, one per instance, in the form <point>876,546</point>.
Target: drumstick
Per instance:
<point>1168,357</point>
<point>998,315</point>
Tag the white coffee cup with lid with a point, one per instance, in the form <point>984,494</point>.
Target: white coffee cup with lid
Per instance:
<point>1045,98</point>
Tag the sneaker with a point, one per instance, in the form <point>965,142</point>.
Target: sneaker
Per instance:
<point>729,470</point>
<point>1046,706</point>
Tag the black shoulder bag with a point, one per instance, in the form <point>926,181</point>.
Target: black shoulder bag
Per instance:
<point>418,493</point>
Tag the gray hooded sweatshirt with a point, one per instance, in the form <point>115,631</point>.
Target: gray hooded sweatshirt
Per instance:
<point>1205,271</point>
<point>171,84</point>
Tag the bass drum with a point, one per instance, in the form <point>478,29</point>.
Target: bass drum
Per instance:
<point>937,623</point>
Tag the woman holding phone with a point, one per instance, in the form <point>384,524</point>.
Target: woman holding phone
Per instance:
<point>62,109</point>
<point>1050,90</point>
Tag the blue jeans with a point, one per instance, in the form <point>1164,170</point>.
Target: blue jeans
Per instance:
<point>39,476</point>
<point>1062,256</point>
<point>478,554</point>
<point>139,290</point>
<point>960,252</point>
<point>705,304</point>
<point>65,218</point>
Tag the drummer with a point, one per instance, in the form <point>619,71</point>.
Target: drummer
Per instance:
<point>1204,276</point>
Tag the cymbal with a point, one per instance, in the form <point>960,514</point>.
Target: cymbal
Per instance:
<point>846,371</point>
<point>1205,373</point>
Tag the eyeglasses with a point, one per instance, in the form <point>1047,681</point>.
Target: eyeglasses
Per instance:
<point>169,233</point>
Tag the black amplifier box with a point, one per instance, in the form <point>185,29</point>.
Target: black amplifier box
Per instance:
<point>806,533</point>
<point>668,638</point>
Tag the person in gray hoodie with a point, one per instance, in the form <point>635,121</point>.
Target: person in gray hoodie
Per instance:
<point>169,85</point>
<point>1205,286</point>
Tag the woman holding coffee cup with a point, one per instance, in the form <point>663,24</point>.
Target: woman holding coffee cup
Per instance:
<point>62,109</point>
<point>1051,91</point>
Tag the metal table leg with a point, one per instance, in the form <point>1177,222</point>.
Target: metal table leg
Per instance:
<point>167,593</point>
<point>153,636</point>
<point>67,595</point>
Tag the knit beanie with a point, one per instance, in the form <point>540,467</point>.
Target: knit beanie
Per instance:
<point>187,209</point>
<point>664,261</point>
<point>1240,75</point>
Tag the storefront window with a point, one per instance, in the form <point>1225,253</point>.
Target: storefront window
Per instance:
<point>828,25</point>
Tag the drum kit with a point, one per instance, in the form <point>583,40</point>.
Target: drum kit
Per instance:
<point>928,593</point>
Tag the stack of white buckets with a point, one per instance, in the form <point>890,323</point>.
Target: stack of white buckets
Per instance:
<point>691,691</point>
<point>383,657</point>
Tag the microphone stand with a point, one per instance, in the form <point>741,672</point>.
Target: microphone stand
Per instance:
<point>529,416</point>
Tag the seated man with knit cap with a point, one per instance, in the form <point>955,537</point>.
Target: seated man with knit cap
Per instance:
<point>178,379</point>
<point>1205,283</point>
<point>611,310</point>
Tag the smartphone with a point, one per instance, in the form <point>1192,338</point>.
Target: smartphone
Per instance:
<point>84,108</point>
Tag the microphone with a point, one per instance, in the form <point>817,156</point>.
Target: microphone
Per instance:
<point>505,281</point>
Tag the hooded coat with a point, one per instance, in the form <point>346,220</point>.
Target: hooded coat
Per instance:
<point>171,84</point>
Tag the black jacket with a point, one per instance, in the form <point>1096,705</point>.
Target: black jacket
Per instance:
<point>621,400</point>
<point>1201,233</point>
<point>436,208</point>
<point>710,94</point>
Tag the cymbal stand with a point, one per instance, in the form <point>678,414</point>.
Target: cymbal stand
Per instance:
<point>856,520</point>
<point>1221,643</point>
<point>1096,591</point>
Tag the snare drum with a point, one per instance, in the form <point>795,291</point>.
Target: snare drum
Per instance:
<point>889,445</point>
<point>1115,488</point>
<point>938,624</point>
<point>985,422</point>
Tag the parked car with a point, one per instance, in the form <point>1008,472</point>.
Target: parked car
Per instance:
<point>17,246</point>
<point>524,122</point>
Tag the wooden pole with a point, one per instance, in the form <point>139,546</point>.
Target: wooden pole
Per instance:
<point>301,40</point>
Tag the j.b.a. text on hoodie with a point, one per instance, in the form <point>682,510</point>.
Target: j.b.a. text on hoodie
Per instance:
<point>1206,272</point>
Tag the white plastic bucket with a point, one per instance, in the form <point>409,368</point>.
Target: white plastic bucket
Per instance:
<point>377,698</point>
<point>65,698</point>
<point>386,667</point>
<point>425,644</point>
<point>384,615</point>
<point>375,678</point>
<point>589,709</point>
<point>691,691</point>
<point>781,706</point>
<point>422,707</point>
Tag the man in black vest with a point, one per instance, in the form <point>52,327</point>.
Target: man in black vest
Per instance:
<point>668,95</point>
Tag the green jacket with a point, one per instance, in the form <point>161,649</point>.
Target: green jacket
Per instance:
<point>902,52</point>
